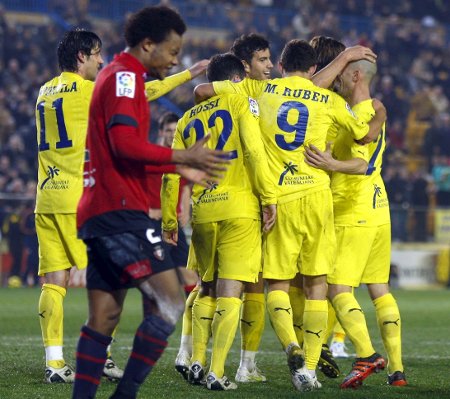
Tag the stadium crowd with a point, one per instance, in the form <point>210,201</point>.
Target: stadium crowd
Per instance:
<point>410,38</point>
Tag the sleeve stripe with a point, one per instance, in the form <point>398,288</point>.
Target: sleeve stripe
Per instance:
<point>120,119</point>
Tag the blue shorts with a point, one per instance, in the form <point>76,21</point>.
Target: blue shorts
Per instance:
<point>117,261</point>
<point>177,254</point>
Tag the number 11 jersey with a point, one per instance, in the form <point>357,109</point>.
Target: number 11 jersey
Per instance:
<point>62,111</point>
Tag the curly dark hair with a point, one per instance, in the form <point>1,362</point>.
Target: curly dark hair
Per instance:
<point>154,23</point>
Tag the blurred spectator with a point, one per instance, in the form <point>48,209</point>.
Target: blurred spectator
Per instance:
<point>30,243</point>
<point>441,177</point>
<point>397,187</point>
<point>421,187</point>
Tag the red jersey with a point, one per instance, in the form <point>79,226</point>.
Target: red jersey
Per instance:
<point>117,147</point>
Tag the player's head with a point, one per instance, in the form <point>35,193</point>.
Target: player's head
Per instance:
<point>225,67</point>
<point>155,35</point>
<point>167,125</point>
<point>253,50</point>
<point>298,56</point>
<point>356,73</point>
<point>79,51</point>
<point>327,49</point>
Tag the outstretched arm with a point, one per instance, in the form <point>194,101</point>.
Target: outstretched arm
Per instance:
<point>158,88</point>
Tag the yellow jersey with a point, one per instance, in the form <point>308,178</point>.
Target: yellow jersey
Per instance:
<point>294,113</point>
<point>62,109</point>
<point>233,122</point>
<point>360,200</point>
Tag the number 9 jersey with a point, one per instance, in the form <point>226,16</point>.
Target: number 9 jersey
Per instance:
<point>61,119</point>
<point>294,113</point>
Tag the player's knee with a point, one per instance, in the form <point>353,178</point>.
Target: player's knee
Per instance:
<point>172,309</point>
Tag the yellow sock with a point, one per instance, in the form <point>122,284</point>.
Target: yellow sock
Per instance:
<point>51,314</point>
<point>297,300</point>
<point>315,326</point>
<point>338,332</point>
<point>108,349</point>
<point>389,323</point>
<point>224,326</point>
<point>352,319</point>
<point>331,322</point>
<point>253,317</point>
<point>280,314</point>
<point>202,317</point>
<point>186,326</point>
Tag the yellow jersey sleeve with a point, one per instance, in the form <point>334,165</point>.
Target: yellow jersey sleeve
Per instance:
<point>158,88</point>
<point>346,119</point>
<point>62,110</point>
<point>246,87</point>
<point>255,157</point>
<point>170,189</point>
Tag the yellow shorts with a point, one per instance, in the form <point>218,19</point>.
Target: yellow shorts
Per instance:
<point>363,255</point>
<point>192,261</point>
<point>229,249</point>
<point>59,247</point>
<point>302,239</point>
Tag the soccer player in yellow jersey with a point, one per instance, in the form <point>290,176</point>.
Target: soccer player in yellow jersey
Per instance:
<point>61,119</point>
<point>254,52</point>
<point>226,235</point>
<point>363,232</point>
<point>294,113</point>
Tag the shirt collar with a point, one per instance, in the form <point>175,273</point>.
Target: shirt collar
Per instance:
<point>132,61</point>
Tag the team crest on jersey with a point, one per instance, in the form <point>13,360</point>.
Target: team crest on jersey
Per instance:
<point>254,107</point>
<point>125,84</point>
<point>350,110</point>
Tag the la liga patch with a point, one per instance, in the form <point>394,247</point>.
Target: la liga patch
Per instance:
<point>125,84</point>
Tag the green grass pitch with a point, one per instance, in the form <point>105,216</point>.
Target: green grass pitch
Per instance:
<point>426,352</point>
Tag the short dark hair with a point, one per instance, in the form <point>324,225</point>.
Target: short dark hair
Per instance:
<point>73,42</point>
<point>327,49</point>
<point>154,23</point>
<point>224,67</point>
<point>166,118</point>
<point>245,46</point>
<point>298,55</point>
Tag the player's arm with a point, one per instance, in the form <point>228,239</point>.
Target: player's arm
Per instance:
<point>255,159</point>
<point>324,160</point>
<point>169,198</point>
<point>325,77</point>
<point>185,199</point>
<point>376,123</point>
<point>246,87</point>
<point>158,88</point>
<point>361,131</point>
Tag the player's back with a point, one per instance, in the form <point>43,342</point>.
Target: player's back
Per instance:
<point>360,199</point>
<point>222,117</point>
<point>62,111</point>
<point>295,113</point>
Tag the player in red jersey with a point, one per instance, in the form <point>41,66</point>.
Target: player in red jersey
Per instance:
<point>112,217</point>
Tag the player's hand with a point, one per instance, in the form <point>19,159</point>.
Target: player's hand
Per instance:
<point>170,237</point>
<point>198,68</point>
<point>213,162</point>
<point>269,217</point>
<point>197,176</point>
<point>357,53</point>
<point>319,159</point>
<point>77,277</point>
